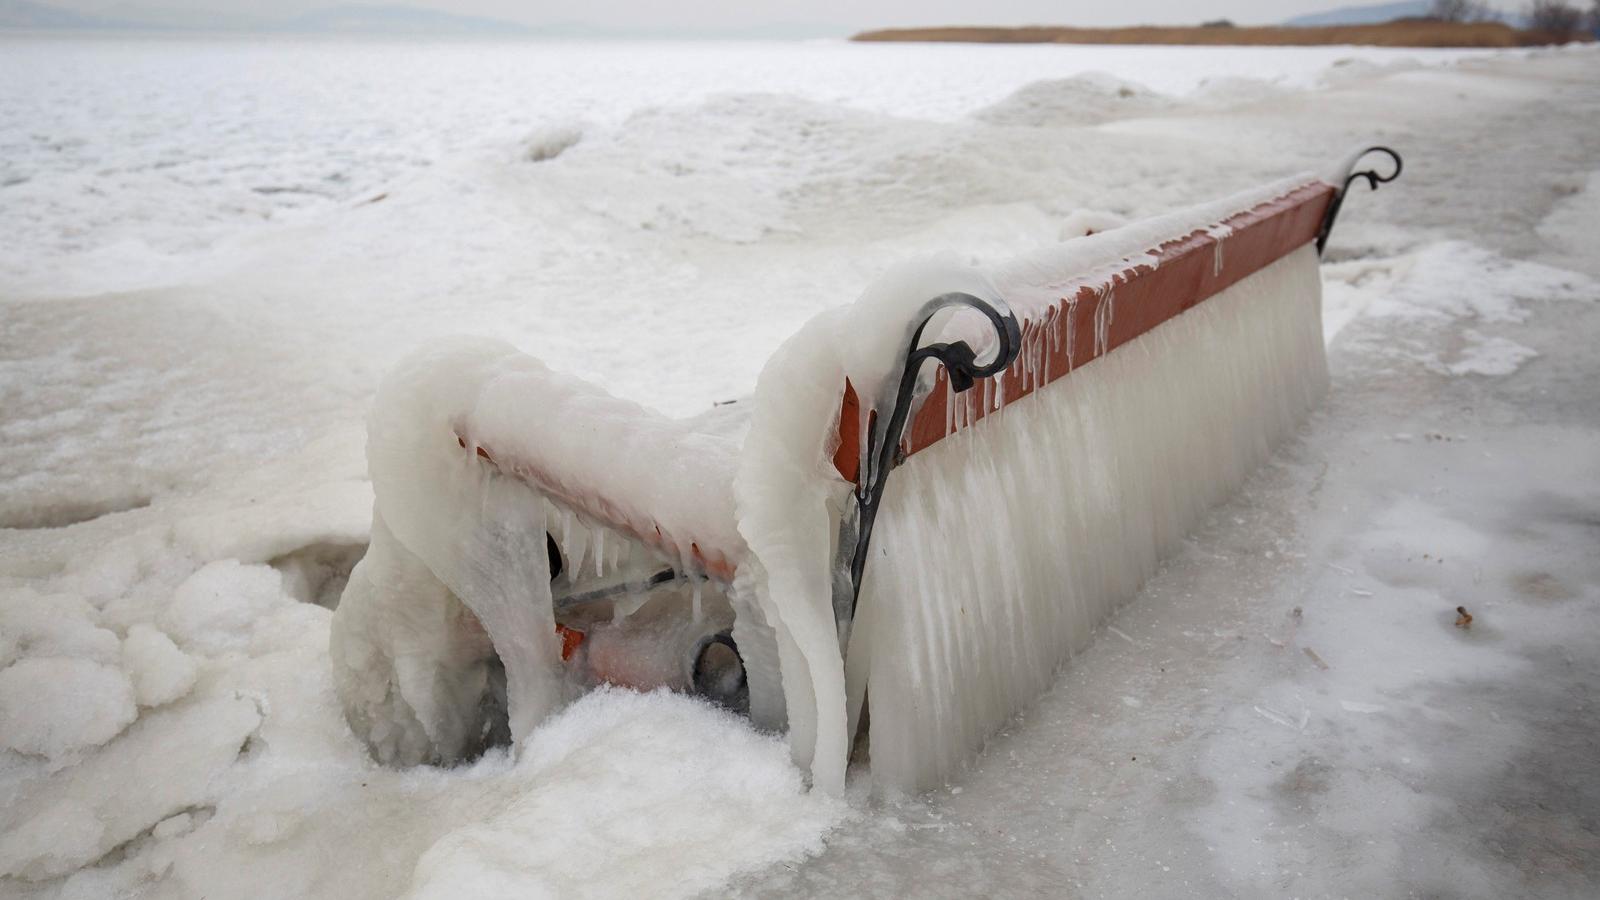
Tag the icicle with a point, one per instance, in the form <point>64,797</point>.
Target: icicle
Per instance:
<point>949,404</point>
<point>570,565</point>
<point>577,547</point>
<point>1049,341</point>
<point>1041,352</point>
<point>863,437</point>
<point>1072,330</point>
<point>1104,311</point>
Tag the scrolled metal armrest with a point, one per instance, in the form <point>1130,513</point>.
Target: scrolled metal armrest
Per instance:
<point>883,439</point>
<point>1373,178</point>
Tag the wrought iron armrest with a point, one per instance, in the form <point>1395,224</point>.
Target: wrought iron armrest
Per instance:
<point>1373,179</point>
<point>884,437</point>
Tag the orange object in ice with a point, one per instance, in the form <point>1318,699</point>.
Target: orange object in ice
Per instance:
<point>571,640</point>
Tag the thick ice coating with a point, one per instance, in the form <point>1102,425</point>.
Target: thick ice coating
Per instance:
<point>1000,549</point>
<point>477,453</point>
<point>790,499</point>
<point>982,590</point>
<point>997,552</point>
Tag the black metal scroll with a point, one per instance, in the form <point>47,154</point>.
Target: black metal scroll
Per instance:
<point>1373,179</point>
<point>883,442</point>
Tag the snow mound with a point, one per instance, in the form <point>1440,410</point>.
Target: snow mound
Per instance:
<point>214,610</point>
<point>34,624</point>
<point>1087,99</point>
<point>168,762</point>
<point>1235,91</point>
<point>597,816</point>
<point>53,706</point>
<point>551,141</point>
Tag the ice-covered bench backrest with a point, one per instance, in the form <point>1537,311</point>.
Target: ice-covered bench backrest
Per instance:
<point>1075,303</point>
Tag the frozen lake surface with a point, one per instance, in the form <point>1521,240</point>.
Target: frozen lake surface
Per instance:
<point>210,251</point>
<point>135,155</point>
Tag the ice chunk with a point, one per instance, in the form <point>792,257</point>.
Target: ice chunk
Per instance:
<point>161,672</point>
<point>52,706</point>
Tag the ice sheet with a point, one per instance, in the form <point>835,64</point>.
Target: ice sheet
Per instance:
<point>151,434</point>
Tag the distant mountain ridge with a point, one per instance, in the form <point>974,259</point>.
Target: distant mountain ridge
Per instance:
<point>353,18</point>
<point>1369,14</point>
<point>395,19</point>
<point>1378,13</point>
<point>381,19</point>
<point>23,14</point>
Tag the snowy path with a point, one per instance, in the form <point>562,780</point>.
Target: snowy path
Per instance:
<point>1287,709</point>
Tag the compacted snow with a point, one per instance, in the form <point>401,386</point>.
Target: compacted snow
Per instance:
<point>204,279</point>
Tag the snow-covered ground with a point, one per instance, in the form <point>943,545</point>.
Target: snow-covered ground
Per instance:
<point>211,250</point>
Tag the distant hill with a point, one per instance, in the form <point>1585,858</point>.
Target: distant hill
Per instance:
<point>1370,14</point>
<point>1378,13</point>
<point>23,14</point>
<point>145,17</point>
<point>351,18</point>
<point>394,19</point>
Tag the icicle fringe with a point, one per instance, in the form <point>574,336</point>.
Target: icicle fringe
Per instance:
<point>1002,548</point>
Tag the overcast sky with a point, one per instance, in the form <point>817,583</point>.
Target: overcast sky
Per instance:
<point>849,13</point>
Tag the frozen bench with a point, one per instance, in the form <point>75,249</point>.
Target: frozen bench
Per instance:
<point>533,535</point>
